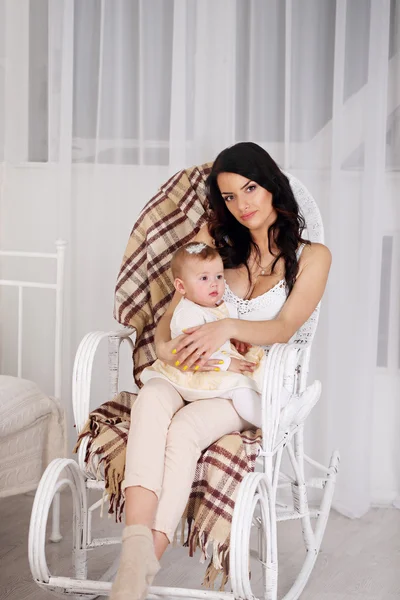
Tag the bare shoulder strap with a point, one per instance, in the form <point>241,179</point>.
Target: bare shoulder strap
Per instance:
<point>299,251</point>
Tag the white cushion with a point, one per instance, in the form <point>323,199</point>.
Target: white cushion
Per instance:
<point>21,404</point>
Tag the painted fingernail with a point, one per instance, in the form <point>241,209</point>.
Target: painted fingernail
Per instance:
<point>220,362</point>
<point>177,363</point>
<point>174,351</point>
<point>185,368</point>
<point>217,369</point>
<point>196,368</point>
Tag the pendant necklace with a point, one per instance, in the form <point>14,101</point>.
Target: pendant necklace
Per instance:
<point>264,269</point>
<point>264,272</point>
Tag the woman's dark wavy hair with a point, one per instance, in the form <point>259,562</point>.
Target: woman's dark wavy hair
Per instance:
<point>232,239</point>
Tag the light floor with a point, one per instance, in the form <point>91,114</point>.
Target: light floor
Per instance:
<point>359,560</point>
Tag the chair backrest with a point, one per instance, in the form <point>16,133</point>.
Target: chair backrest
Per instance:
<point>309,209</point>
<point>315,233</point>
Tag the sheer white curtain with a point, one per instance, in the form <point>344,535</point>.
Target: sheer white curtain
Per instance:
<point>133,90</point>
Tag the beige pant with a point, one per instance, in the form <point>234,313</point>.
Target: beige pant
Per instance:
<point>165,441</point>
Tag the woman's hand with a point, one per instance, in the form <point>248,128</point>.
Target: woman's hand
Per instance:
<point>241,347</point>
<point>175,352</point>
<point>194,348</point>
<point>241,366</point>
<point>167,351</point>
<point>206,339</point>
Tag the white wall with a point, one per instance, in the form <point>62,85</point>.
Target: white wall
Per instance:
<point>106,201</point>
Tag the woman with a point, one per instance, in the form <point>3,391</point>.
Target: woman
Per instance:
<point>276,279</point>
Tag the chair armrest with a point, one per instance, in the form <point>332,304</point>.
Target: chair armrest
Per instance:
<point>287,364</point>
<point>83,365</point>
<point>122,333</point>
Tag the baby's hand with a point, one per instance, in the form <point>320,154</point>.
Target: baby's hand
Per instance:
<point>241,347</point>
<point>241,366</point>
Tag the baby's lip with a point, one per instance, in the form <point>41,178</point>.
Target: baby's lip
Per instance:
<point>214,294</point>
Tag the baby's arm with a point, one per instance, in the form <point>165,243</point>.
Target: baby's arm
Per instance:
<point>241,365</point>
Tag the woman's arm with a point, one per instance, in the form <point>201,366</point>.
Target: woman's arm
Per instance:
<point>306,294</point>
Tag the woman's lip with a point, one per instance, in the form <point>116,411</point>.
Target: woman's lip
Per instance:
<point>248,215</point>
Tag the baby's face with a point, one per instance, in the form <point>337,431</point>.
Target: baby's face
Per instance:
<point>204,281</point>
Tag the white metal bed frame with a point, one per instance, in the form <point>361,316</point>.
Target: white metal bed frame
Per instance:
<point>258,490</point>
<point>58,287</point>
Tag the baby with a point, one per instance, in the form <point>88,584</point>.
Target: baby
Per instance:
<point>198,274</point>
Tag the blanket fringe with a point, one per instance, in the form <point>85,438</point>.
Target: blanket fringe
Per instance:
<point>113,490</point>
<point>219,561</point>
<point>212,574</point>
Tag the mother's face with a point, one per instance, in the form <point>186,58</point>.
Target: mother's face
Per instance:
<point>248,202</point>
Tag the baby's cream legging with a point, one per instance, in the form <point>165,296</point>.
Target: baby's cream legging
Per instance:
<point>165,440</point>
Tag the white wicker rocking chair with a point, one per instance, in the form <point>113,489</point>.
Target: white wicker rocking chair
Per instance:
<point>256,504</point>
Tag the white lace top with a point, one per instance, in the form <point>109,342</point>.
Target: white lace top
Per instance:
<point>268,305</point>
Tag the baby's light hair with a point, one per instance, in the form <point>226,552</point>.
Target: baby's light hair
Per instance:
<point>189,252</point>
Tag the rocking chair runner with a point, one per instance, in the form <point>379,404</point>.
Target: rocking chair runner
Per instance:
<point>171,218</point>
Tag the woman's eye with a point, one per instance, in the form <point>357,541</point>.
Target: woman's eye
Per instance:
<point>228,198</point>
<point>251,188</point>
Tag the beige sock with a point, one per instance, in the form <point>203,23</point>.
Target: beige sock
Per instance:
<point>138,564</point>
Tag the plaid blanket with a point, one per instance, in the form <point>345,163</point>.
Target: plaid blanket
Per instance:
<point>209,511</point>
<point>219,472</point>
<point>144,285</point>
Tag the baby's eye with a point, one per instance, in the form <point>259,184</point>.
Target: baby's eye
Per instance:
<point>203,278</point>
<point>220,276</point>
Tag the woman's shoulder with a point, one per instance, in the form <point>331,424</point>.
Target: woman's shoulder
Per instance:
<point>317,249</point>
<point>315,253</point>
<point>203,235</point>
